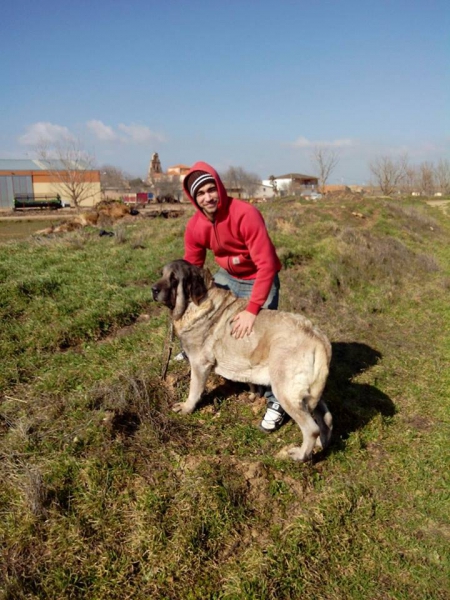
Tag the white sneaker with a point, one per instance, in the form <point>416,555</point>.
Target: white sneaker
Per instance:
<point>274,417</point>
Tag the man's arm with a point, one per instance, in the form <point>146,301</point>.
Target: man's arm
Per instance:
<point>263,254</point>
<point>194,251</point>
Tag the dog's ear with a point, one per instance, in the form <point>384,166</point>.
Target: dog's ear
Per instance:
<point>197,289</point>
<point>208,278</point>
<point>180,303</point>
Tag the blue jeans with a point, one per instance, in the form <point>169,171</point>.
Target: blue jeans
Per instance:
<point>242,288</point>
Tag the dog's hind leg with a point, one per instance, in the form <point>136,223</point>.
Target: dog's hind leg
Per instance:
<point>199,375</point>
<point>299,411</point>
<point>324,420</point>
<point>310,431</point>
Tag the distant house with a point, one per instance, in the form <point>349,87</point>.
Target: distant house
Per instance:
<point>42,178</point>
<point>179,170</point>
<point>292,183</point>
<point>264,191</point>
<point>259,192</point>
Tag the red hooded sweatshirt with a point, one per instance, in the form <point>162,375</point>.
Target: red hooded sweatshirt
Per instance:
<point>238,238</point>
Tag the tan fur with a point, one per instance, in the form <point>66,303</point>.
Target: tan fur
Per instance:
<point>284,350</point>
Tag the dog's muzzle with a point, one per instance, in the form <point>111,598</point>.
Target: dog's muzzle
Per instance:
<point>155,292</point>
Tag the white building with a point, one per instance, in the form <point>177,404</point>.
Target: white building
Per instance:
<point>292,183</point>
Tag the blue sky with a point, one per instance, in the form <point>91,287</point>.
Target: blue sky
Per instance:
<point>256,84</point>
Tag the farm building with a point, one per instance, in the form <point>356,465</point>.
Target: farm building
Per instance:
<point>42,179</point>
<point>178,170</point>
<point>292,183</point>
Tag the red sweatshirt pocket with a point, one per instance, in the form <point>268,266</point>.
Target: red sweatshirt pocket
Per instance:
<point>241,266</point>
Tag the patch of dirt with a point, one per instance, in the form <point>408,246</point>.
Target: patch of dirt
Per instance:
<point>126,330</point>
<point>434,530</point>
<point>377,454</point>
<point>418,422</point>
<point>254,472</point>
<point>125,424</point>
<point>442,204</point>
<point>258,403</point>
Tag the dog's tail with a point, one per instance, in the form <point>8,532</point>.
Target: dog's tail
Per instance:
<point>317,406</point>
<point>321,365</point>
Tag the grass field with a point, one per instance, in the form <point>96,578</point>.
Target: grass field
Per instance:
<point>11,230</point>
<point>107,494</point>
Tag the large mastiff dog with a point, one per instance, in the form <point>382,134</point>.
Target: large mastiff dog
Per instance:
<point>284,350</point>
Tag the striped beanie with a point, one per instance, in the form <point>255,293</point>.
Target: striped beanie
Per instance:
<point>196,180</point>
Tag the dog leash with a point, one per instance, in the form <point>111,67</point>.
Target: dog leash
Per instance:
<point>168,347</point>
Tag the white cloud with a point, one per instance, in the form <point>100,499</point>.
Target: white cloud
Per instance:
<point>303,142</point>
<point>127,134</point>
<point>101,131</point>
<point>140,134</point>
<point>43,132</point>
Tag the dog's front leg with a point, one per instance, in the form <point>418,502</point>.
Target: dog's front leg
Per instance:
<point>199,375</point>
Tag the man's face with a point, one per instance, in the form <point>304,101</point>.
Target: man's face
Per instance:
<point>208,199</point>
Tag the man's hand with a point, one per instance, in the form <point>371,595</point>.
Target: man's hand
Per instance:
<point>242,324</point>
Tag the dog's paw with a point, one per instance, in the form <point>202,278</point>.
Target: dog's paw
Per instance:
<point>298,454</point>
<point>182,408</point>
<point>255,391</point>
<point>284,452</point>
<point>294,453</point>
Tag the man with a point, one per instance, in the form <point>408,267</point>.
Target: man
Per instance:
<point>236,234</point>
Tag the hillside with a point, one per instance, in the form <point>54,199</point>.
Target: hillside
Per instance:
<point>108,494</point>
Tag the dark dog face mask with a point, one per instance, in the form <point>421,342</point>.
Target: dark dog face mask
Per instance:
<point>180,283</point>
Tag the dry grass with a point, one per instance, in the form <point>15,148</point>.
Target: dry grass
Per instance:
<point>108,494</point>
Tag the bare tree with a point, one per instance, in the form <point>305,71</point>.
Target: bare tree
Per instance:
<point>427,178</point>
<point>410,180</point>
<point>137,184</point>
<point>325,161</point>
<point>72,170</point>
<point>442,173</point>
<point>239,178</point>
<point>167,188</point>
<point>113,177</point>
<point>389,172</point>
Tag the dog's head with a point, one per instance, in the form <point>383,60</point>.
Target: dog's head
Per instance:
<point>180,284</point>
